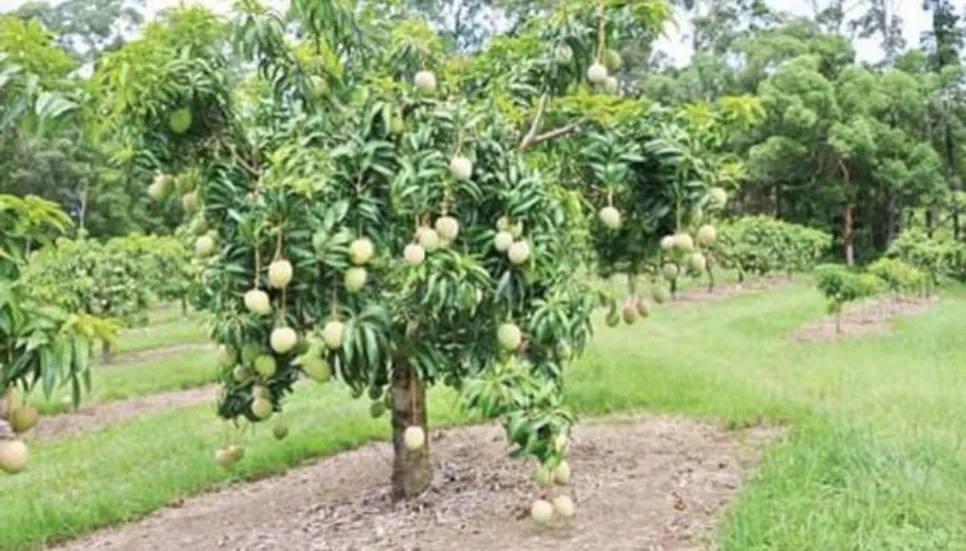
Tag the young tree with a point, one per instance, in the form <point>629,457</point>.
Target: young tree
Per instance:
<point>842,285</point>
<point>40,344</point>
<point>371,214</point>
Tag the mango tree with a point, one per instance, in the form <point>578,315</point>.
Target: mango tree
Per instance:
<point>40,343</point>
<point>898,277</point>
<point>842,285</point>
<point>164,265</point>
<point>761,245</point>
<point>650,175</point>
<point>934,257</point>
<point>369,212</point>
<point>84,275</point>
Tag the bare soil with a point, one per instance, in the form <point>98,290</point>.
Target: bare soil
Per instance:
<point>639,483</point>
<point>865,318</point>
<point>724,290</point>
<point>95,416</point>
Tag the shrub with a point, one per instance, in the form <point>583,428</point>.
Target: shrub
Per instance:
<point>761,245</point>
<point>841,284</point>
<point>897,276</point>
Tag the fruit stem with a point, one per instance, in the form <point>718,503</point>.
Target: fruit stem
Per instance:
<point>600,30</point>
<point>280,313</point>
<point>258,261</point>
<point>278,244</point>
<point>610,197</point>
<point>677,215</point>
<point>412,392</point>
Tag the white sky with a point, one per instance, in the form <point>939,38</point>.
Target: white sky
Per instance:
<point>916,21</point>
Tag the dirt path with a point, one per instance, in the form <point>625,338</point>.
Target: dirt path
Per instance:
<point>94,416</point>
<point>873,316</point>
<point>723,290</point>
<point>641,483</point>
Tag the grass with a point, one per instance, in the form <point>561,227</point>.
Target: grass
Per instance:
<point>155,461</point>
<point>118,382</point>
<point>167,328</point>
<point>874,459</point>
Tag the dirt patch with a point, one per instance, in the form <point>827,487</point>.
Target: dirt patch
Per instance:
<point>868,317</point>
<point>641,483</point>
<point>159,353</point>
<point>94,416</point>
<point>724,290</point>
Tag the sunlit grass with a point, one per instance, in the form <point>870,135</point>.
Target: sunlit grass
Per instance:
<point>874,459</point>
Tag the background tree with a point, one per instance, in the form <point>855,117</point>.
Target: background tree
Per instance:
<point>86,28</point>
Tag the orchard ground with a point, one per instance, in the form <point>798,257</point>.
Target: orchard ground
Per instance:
<point>859,439</point>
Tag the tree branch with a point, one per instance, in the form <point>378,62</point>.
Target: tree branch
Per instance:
<point>537,118</point>
<point>555,133</point>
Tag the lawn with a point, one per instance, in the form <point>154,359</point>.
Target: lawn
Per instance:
<point>167,328</point>
<point>873,460</point>
<point>119,381</point>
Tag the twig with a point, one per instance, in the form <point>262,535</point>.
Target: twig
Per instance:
<point>537,118</point>
<point>555,133</point>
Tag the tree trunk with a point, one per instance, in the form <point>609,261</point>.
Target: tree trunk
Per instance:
<point>6,408</point>
<point>929,222</point>
<point>891,221</point>
<point>6,403</point>
<point>184,306</point>
<point>82,217</point>
<point>411,470</point>
<point>106,353</point>
<point>673,288</point>
<point>838,322</point>
<point>956,231</point>
<point>847,237</point>
<point>710,279</point>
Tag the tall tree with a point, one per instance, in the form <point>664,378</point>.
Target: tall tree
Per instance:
<point>944,41</point>
<point>86,27</point>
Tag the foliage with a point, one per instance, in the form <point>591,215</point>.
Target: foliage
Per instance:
<point>841,285</point>
<point>937,258</point>
<point>118,278</point>
<point>53,138</point>
<point>843,145</point>
<point>899,277</point>
<point>164,264</point>
<point>39,341</point>
<point>84,27</point>
<point>330,189</point>
<point>761,245</point>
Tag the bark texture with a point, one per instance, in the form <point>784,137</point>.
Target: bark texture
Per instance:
<point>411,470</point>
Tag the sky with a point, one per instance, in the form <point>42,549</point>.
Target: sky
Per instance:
<point>915,22</point>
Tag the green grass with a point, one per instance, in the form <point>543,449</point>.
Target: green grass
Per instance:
<point>166,328</point>
<point>117,382</point>
<point>168,312</point>
<point>152,462</point>
<point>874,459</point>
